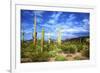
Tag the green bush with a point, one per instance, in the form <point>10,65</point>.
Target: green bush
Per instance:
<point>65,49</point>
<point>71,48</point>
<point>85,52</point>
<point>52,53</point>
<point>79,47</point>
<point>40,57</point>
<point>60,58</point>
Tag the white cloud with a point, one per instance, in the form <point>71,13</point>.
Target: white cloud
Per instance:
<point>85,23</point>
<point>28,31</point>
<point>74,30</point>
<point>56,15</point>
<point>52,21</point>
<point>71,17</point>
<point>49,34</point>
<point>54,18</point>
<point>38,13</point>
<point>39,20</point>
<point>68,36</point>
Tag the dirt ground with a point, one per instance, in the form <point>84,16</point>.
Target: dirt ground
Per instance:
<point>70,57</point>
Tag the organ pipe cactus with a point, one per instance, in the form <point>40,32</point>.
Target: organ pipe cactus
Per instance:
<point>42,40</point>
<point>35,33</point>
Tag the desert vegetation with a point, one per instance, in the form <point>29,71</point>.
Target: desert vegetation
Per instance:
<point>41,50</point>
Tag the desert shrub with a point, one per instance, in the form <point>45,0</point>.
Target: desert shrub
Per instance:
<point>85,52</point>
<point>52,47</point>
<point>23,45</point>
<point>40,57</point>
<point>27,55</point>
<point>22,54</point>
<point>71,48</point>
<point>65,48</point>
<point>79,47</point>
<point>38,48</point>
<point>52,53</point>
<point>60,58</point>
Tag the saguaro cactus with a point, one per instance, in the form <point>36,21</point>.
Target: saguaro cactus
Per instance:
<point>23,36</point>
<point>49,39</point>
<point>42,40</point>
<point>59,38</point>
<point>35,33</point>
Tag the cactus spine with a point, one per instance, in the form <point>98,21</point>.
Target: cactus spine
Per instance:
<point>42,40</point>
<point>35,33</point>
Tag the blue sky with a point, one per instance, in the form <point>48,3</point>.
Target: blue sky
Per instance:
<point>71,24</point>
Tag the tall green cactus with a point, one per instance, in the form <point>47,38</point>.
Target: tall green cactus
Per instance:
<point>59,38</point>
<point>35,33</point>
<point>23,36</point>
<point>49,39</point>
<point>42,40</point>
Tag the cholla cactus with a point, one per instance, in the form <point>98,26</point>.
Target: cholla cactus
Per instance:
<point>42,40</point>
<point>59,38</point>
<point>35,33</point>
